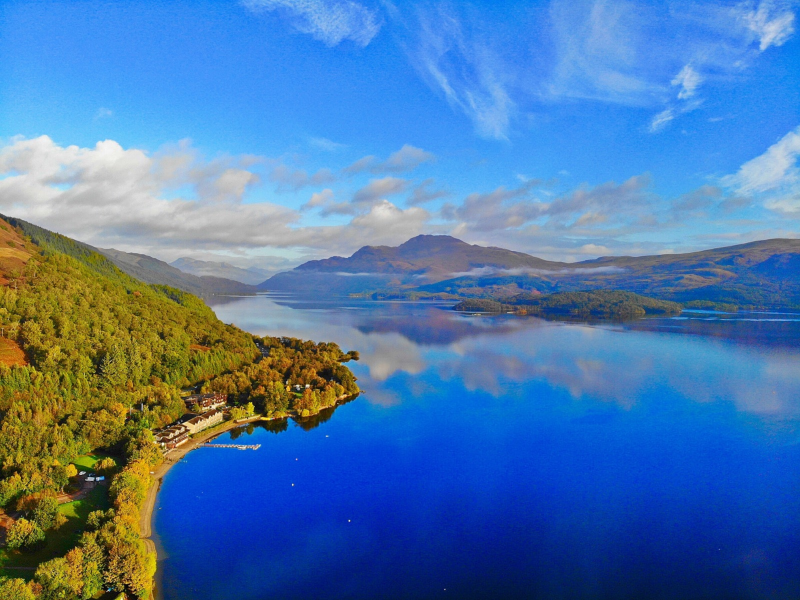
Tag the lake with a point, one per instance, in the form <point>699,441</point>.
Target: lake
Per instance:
<point>505,457</point>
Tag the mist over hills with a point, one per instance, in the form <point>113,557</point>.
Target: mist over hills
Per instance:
<point>224,270</point>
<point>758,274</point>
<point>151,270</point>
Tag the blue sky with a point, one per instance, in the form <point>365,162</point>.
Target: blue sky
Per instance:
<point>270,131</point>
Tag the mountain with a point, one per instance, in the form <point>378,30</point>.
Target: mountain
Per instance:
<point>151,270</point>
<point>757,274</point>
<point>424,259</point>
<point>209,268</point>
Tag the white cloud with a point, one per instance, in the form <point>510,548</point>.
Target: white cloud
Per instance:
<point>773,170</point>
<point>109,196</point>
<point>774,176</point>
<point>626,52</point>
<point>329,21</point>
<point>771,22</point>
<point>600,46</point>
<point>323,198</point>
<point>688,79</point>
<point>661,119</point>
<point>387,220</point>
<point>463,66</point>
<point>422,193</point>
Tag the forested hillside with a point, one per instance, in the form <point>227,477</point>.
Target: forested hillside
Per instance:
<point>104,358</point>
<point>139,266</point>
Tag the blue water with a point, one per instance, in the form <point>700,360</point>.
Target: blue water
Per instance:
<point>505,457</point>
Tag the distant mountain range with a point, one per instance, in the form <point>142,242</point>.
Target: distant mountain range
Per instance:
<point>143,267</point>
<point>208,268</point>
<point>151,270</point>
<point>758,274</point>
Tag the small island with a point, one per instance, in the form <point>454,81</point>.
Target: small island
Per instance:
<point>601,304</point>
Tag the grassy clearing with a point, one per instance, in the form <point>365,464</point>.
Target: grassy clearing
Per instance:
<point>87,461</point>
<point>58,542</point>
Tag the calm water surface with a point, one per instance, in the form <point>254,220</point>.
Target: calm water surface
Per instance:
<point>506,457</point>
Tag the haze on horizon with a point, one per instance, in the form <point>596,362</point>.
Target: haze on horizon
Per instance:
<point>267,132</point>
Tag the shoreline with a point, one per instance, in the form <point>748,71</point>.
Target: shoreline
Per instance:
<point>157,476</point>
<point>175,455</point>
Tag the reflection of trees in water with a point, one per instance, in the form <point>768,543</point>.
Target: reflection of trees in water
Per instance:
<point>313,421</point>
<point>280,425</point>
<point>276,426</point>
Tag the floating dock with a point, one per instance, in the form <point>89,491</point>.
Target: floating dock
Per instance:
<point>235,446</point>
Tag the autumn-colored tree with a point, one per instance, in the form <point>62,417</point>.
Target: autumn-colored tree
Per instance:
<point>23,534</point>
<point>15,589</point>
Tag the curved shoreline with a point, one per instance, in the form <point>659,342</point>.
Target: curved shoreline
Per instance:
<point>175,455</point>
<point>172,457</point>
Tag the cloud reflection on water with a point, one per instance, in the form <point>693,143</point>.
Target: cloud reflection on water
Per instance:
<point>613,364</point>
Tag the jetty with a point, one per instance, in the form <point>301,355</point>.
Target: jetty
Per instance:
<point>235,446</point>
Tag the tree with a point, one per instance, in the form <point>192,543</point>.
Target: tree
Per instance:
<point>61,578</point>
<point>15,589</point>
<point>24,534</point>
<point>106,466</point>
<point>44,514</point>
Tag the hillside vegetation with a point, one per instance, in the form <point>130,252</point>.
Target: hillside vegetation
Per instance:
<point>597,304</point>
<point>140,266</point>
<point>106,357</point>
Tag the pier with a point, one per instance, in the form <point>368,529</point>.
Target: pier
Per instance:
<point>235,446</point>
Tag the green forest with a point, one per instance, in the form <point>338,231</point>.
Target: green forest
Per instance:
<point>607,304</point>
<point>107,357</point>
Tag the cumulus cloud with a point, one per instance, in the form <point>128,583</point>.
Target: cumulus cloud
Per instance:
<point>495,210</point>
<point>329,21</point>
<point>406,159</point>
<point>389,222</point>
<point>318,199</point>
<point>627,200</point>
<point>107,195</point>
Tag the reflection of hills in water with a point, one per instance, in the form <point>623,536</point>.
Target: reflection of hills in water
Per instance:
<point>423,323</point>
<point>775,330</point>
<point>439,327</point>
